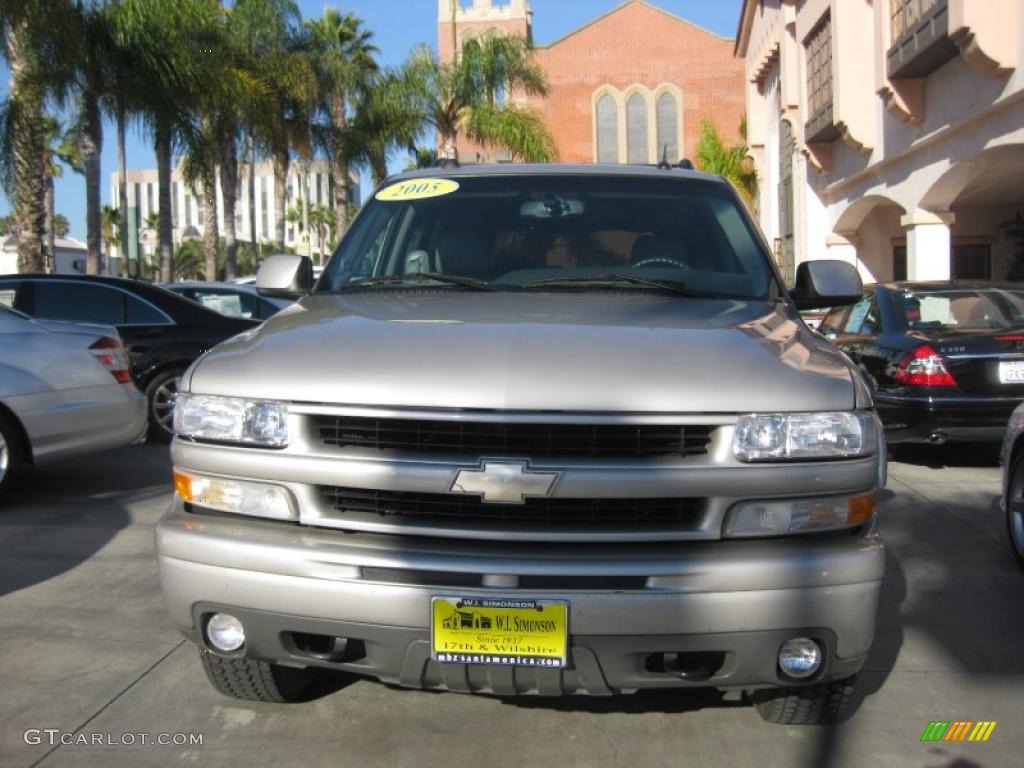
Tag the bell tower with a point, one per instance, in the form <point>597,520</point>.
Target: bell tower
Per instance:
<point>479,17</point>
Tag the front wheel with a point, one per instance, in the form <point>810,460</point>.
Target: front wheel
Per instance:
<point>10,450</point>
<point>821,704</point>
<point>1014,504</point>
<point>255,680</point>
<point>161,394</point>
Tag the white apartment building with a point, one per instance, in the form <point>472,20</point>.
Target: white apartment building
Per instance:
<point>187,214</point>
<point>888,133</point>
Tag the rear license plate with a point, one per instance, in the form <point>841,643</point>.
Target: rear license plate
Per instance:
<point>513,632</point>
<point>1011,371</point>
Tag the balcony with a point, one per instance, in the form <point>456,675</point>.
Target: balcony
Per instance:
<point>920,38</point>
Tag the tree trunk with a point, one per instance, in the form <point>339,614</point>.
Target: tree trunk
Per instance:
<point>50,241</point>
<point>122,191</point>
<point>306,202</point>
<point>228,162</point>
<point>281,164</point>
<point>340,164</point>
<point>252,202</point>
<point>448,147</point>
<point>90,147</point>
<point>29,148</point>
<point>211,233</point>
<point>165,227</point>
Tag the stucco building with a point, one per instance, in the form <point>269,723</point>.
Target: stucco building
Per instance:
<point>622,88</point>
<point>889,133</point>
<point>187,215</point>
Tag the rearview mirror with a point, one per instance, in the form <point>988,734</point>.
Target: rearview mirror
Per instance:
<point>285,276</point>
<point>826,283</point>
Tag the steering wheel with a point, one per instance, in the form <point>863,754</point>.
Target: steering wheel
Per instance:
<point>660,260</point>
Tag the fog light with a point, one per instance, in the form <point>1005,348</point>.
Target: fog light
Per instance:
<point>800,657</point>
<point>225,632</point>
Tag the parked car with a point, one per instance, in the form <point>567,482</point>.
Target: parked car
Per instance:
<point>251,279</point>
<point>65,390</point>
<point>231,300</point>
<point>162,331</point>
<point>536,429</point>
<point>945,359</point>
<point>1012,459</point>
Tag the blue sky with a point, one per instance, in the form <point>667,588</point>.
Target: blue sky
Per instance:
<point>398,25</point>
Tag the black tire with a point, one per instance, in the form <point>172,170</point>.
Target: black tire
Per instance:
<point>1014,503</point>
<point>11,454</point>
<point>254,680</point>
<point>821,704</point>
<point>160,394</point>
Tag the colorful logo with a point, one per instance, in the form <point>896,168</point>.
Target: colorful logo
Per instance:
<point>958,730</point>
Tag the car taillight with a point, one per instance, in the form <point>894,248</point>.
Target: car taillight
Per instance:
<point>112,356</point>
<point>923,367</point>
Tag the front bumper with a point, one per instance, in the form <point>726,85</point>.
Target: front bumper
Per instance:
<point>735,600</point>
<point>936,420</point>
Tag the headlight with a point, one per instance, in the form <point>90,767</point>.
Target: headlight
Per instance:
<point>776,518</point>
<point>785,436</point>
<point>243,497</point>
<point>231,420</point>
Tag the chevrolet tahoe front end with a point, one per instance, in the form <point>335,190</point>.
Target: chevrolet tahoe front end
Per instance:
<point>526,489</point>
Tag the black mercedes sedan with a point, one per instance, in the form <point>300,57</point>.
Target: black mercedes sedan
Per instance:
<point>945,359</point>
<point>161,331</point>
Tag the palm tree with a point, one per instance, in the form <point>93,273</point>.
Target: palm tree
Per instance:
<point>31,36</point>
<point>389,116</point>
<point>169,46</point>
<point>324,221</point>
<point>297,215</point>
<point>464,96</point>
<point>343,58</point>
<point>270,33</point>
<point>85,79</point>
<point>110,226</point>
<point>731,163</point>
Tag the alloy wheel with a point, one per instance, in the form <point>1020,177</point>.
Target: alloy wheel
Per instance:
<point>1015,510</point>
<point>4,457</point>
<point>164,398</point>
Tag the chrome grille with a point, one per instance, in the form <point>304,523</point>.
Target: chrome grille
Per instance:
<point>532,440</point>
<point>536,514</point>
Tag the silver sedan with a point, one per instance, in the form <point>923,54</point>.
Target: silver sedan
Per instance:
<point>65,389</point>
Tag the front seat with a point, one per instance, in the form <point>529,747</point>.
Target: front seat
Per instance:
<point>464,251</point>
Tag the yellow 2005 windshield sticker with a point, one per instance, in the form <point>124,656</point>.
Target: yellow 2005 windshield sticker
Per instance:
<point>417,189</point>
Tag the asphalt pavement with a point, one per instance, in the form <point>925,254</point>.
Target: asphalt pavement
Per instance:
<point>87,653</point>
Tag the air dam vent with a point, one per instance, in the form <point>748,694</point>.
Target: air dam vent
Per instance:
<point>530,440</point>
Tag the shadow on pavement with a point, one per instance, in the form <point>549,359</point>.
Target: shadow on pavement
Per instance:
<point>949,455</point>
<point>57,517</point>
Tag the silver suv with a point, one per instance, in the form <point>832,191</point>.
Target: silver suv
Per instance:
<point>535,429</point>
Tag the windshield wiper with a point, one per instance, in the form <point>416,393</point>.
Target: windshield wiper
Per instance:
<point>419,277</point>
<point>668,286</point>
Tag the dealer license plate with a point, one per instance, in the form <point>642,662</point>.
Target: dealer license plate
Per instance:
<point>516,632</point>
<point>1011,371</point>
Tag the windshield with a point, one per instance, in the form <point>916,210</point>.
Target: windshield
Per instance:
<point>962,308</point>
<point>536,232</point>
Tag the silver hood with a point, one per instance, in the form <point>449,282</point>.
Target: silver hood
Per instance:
<point>560,351</point>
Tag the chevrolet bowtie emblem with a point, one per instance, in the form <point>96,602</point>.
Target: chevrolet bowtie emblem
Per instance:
<point>504,482</point>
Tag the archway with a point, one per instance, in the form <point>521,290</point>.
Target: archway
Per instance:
<point>869,235</point>
<point>980,196</point>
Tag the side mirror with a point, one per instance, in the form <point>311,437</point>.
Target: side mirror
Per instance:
<point>285,276</point>
<point>826,283</point>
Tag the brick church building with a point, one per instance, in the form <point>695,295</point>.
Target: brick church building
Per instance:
<point>622,87</point>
